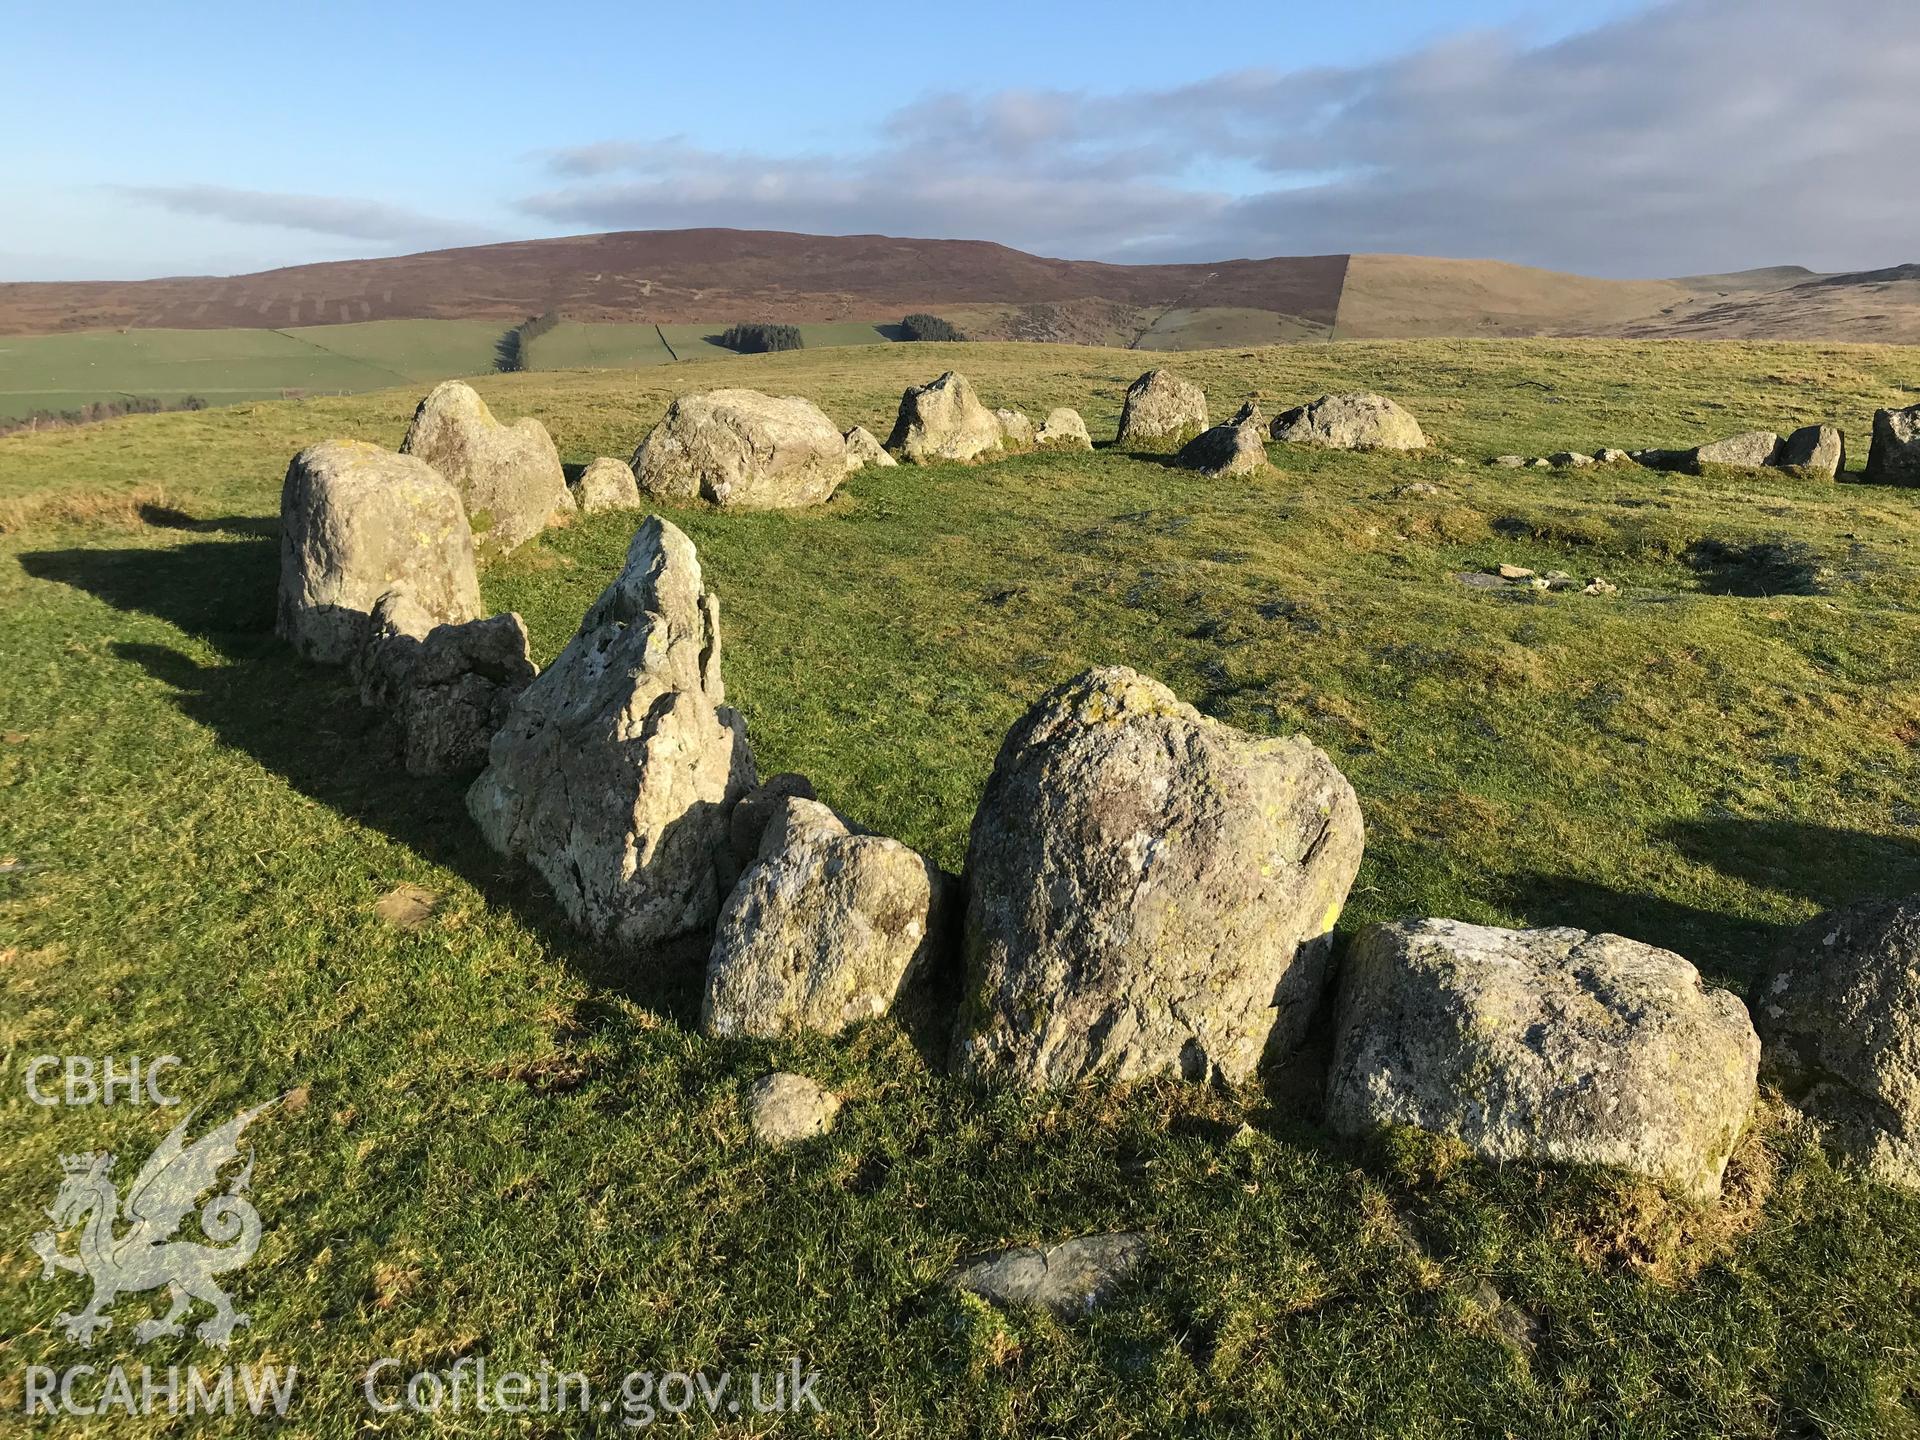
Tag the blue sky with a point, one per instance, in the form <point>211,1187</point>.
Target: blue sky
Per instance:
<point>1602,135</point>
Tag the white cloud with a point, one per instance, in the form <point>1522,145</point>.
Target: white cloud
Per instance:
<point>315,214</point>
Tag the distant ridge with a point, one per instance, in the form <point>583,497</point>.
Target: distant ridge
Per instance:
<point>719,276</point>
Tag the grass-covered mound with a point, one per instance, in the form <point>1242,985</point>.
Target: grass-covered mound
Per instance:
<point>502,1143</point>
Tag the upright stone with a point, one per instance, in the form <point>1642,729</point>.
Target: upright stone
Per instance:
<point>1235,448</point>
<point>509,476</point>
<point>1063,429</point>
<point>1361,420</point>
<point>1819,450</point>
<point>863,450</point>
<point>1161,411</point>
<point>1148,891</point>
<point>448,687</point>
<point>606,484</point>
<point>355,522</point>
<point>1894,458</point>
<point>944,420</point>
<point>615,772</point>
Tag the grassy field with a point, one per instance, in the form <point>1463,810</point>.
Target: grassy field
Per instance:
<point>500,1143</point>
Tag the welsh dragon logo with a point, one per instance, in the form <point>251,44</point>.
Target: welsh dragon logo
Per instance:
<point>145,1256</point>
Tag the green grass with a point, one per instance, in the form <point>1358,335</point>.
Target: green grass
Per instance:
<point>514,1146</point>
<point>571,345</point>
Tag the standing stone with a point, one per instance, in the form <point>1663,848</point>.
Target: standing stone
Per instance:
<point>1063,429</point>
<point>747,826</point>
<point>1162,411</point>
<point>1838,1011</point>
<point>448,687</point>
<point>1894,458</point>
<point>606,484</point>
<point>355,522</point>
<point>1235,448</point>
<point>742,450</point>
<point>1749,450</point>
<point>824,931</point>
<point>1358,421</point>
<point>1016,430</point>
<point>944,420</point>
<point>1543,1045</point>
<point>864,450</point>
<point>1148,891</point>
<point>1818,450</point>
<point>509,476</point>
<point>616,769</point>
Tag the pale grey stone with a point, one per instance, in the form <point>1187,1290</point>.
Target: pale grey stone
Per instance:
<point>786,1109</point>
<point>448,687</point>
<point>1071,1277</point>
<point>606,484</point>
<point>944,420</point>
<point>509,476</point>
<point>742,450</point>
<point>1894,457</point>
<point>1820,450</point>
<point>1063,429</point>
<point>1162,411</point>
<point>863,450</point>
<point>1358,421</point>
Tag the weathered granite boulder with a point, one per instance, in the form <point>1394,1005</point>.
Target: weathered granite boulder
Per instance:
<point>1148,891</point>
<point>355,522</point>
<point>606,484</point>
<point>1161,411</point>
<point>944,420</point>
<point>786,1109</point>
<point>1063,429</point>
<point>1071,1277</point>
<point>1819,450</point>
<point>448,687</point>
<point>1608,455</point>
<point>1894,457</point>
<point>747,825</point>
<point>1749,450</point>
<point>1235,448</point>
<point>1358,421</point>
<point>824,931</point>
<point>1543,1045</point>
<point>509,476</point>
<point>742,450</point>
<point>1838,1011</point>
<point>863,450</point>
<point>616,770</point>
<point>1016,430</point>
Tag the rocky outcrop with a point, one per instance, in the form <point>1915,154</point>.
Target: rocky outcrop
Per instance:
<point>944,420</point>
<point>1543,1045</point>
<point>1894,457</point>
<point>1162,411</point>
<point>863,450</point>
<point>1063,429</point>
<point>1235,448</point>
<point>606,484</point>
<point>448,687</point>
<point>1016,430</point>
<point>1148,891</point>
<point>823,931</point>
<point>742,450</point>
<point>508,476</point>
<point>355,522</point>
<point>1818,450</point>
<point>616,770</point>
<point>1358,421</point>
<point>1838,1011</point>
<point>1749,450</point>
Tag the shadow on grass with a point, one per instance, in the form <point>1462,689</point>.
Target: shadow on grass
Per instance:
<point>306,724</point>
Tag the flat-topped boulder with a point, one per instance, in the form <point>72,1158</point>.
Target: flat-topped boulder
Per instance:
<point>1543,1046</point>
<point>742,450</point>
<point>606,484</point>
<point>355,522</point>
<point>1016,430</point>
<point>1235,448</point>
<point>509,476</point>
<point>1837,1006</point>
<point>448,687</point>
<point>1148,892</point>
<point>944,420</point>
<point>615,772</point>
<point>824,930</point>
<point>1749,450</point>
<point>1360,420</point>
<point>1161,411</point>
<point>1818,450</point>
<point>863,450</point>
<point>1063,429</point>
<point>1894,457</point>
